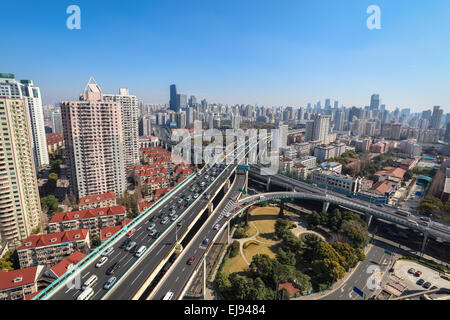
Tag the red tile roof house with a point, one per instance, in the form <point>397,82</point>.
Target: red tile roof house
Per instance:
<point>54,141</point>
<point>49,249</point>
<point>108,232</point>
<point>65,265</point>
<point>144,206</point>
<point>16,284</point>
<point>157,183</point>
<point>92,219</point>
<point>102,200</point>
<point>289,287</point>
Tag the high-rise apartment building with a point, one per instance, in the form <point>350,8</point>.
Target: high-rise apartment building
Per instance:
<point>339,120</point>
<point>57,126</point>
<point>25,89</point>
<point>374,102</point>
<point>94,140</point>
<point>436,118</point>
<point>130,119</point>
<point>20,209</point>
<point>321,128</point>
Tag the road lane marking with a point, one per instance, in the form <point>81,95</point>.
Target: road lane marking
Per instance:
<point>177,278</point>
<point>85,275</point>
<point>137,277</point>
<point>160,250</point>
<point>122,258</point>
<point>128,260</point>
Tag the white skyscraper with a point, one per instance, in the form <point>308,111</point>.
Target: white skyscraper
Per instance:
<point>25,89</point>
<point>130,123</point>
<point>321,128</point>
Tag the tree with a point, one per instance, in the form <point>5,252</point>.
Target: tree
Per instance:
<point>261,266</point>
<point>286,257</point>
<point>302,281</point>
<point>234,249</point>
<point>241,287</point>
<point>281,272</point>
<point>281,226</point>
<point>49,203</point>
<point>350,258</point>
<point>408,175</point>
<point>331,269</point>
<point>313,219</point>
<point>355,232</point>
<point>335,220</point>
<point>326,251</point>
<point>95,242</point>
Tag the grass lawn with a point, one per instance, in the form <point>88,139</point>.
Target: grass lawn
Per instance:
<point>264,218</point>
<point>236,264</point>
<point>261,248</point>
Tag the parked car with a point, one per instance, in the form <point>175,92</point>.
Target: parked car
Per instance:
<point>412,271</point>
<point>420,282</point>
<point>418,273</point>
<point>426,285</point>
<point>425,219</point>
<point>191,260</point>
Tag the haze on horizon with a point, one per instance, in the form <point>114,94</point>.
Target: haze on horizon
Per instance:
<point>268,53</point>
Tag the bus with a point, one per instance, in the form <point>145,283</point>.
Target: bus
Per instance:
<point>86,294</point>
<point>403,213</point>
<point>89,282</point>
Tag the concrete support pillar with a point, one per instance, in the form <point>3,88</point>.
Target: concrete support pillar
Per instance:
<point>368,219</point>
<point>228,232</point>
<point>424,242</point>
<point>246,181</point>
<point>325,207</point>
<point>268,184</point>
<point>282,208</point>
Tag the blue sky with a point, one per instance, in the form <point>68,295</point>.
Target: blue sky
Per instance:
<point>269,52</point>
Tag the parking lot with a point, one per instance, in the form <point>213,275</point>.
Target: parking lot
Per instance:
<point>401,268</point>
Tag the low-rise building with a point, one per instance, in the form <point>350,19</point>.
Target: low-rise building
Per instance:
<point>330,179</point>
<point>102,200</point>
<point>310,162</point>
<point>108,232</point>
<point>392,174</point>
<point>16,284</point>
<point>91,219</point>
<point>332,166</point>
<point>54,141</point>
<point>51,248</point>
<point>65,265</point>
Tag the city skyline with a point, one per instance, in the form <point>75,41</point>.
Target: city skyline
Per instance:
<point>268,53</point>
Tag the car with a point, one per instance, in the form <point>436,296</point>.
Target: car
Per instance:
<point>227,214</point>
<point>180,223</point>
<point>216,227</point>
<point>153,219</point>
<point>420,282</point>
<point>180,200</point>
<point>202,184</point>
<point>191,260</point>
<point>150,227</point>
<point>206,241</point>
<point>171,213</point>
<point>173,207</point>
<point>196,196</point>
<point>380,205</point>
<point>130,233</point>
<point>152,232</point>
<point>424,223</point>
<point>208,196</point>
<point>175,217</point>
<point>101,262</point>
<point>426,285</point>
<point>412,271</point>
<point>206,177</point>
<point>130,246</point>
<point>141,251</point>
<point>108,251</point>
<point>113,268</point>
<point>433,287</point>
<point>418,273</point>
<point>164,220</point>
<point>156,235</point>
<point>188,198</point>
<point>425,219</point>
<point>109,283</point>
<point>199,174</point>
<point>125,243</point>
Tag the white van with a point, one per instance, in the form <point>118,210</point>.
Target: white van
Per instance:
<point>89,282</point>
<point>168,296</point>
<point>86,294</point>
<point>140,251</point>
<point>413,222</point>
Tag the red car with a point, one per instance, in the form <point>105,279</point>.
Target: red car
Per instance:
<point>130,233</point>
<point>418,273</point>
<point>191,260</point>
